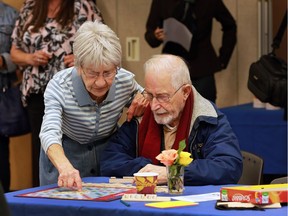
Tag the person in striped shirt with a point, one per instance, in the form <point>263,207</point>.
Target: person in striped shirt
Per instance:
<point>83,105</point>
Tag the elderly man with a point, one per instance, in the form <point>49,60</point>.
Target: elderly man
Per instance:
<point>176,112</point>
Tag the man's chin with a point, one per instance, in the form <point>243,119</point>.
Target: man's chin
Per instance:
<point>162,120</point>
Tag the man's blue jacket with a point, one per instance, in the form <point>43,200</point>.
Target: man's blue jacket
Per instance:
<point>212,143</point>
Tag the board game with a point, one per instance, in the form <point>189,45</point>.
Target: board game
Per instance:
<point>93,193</point>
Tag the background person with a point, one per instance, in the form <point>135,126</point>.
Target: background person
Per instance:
<point>42,45</point>
<point>197,16</point>
<point>4,210</point>
<point>83,105</point>
<point>8,17</point>
<point>176,112</point>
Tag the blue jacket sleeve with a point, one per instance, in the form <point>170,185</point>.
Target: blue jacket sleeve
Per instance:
<point>216,153</point>
<point>119,157</point>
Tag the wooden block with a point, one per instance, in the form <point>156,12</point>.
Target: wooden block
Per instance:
<point>144,198</point>
<point>125,179</point>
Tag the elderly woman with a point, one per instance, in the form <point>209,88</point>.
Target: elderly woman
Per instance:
<point>83,105</point>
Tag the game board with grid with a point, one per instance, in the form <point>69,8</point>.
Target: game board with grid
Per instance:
<point>87,193</point>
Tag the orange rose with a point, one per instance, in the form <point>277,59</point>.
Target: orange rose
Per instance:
<point>167,157</point>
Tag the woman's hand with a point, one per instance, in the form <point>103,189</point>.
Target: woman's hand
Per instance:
<point>159,34</point>
<point>40,58</point>
<point>137,106</point>
<point>68,175</point>
<point>21,58</point>
<point>69,60</point>
<point>70,178</point>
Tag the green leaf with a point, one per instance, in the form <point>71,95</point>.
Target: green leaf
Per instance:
<point>182,146</point>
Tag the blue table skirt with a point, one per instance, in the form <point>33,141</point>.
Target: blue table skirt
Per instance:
<point>52,207</point>
<point>262,132</point>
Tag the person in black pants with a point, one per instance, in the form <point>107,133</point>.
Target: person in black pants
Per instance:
<point>4,163</point>
<point>197,16</point>
<point>8,16</point>
<point>4,211</point>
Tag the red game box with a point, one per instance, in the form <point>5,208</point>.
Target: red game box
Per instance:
<point>256,194</point>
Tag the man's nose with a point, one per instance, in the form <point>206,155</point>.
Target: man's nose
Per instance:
<point>154,104</point>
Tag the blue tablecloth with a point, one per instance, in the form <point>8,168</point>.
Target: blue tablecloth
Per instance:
<point>262,132</point>
<point>23,206</point>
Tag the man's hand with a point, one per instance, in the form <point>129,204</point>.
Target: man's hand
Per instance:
<point>137,107</point>
<point>161,170</point>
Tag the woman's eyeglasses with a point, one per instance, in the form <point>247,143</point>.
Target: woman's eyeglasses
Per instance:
<point>95,75</point>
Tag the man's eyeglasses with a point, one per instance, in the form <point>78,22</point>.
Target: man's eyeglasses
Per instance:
<point>161,98</point>
<point>95,75</point>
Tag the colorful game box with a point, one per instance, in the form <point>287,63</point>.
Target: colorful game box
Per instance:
<point>256,194</point>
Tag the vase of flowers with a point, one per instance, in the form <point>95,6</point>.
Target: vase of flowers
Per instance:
<point>175,161</point>
<point>175,179</point>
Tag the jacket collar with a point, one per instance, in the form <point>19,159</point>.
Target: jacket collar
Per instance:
<point>203,110</point>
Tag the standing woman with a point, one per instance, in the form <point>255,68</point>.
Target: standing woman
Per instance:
<point>42,45</point>
<point>8,16</point>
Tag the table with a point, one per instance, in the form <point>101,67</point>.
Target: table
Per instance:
<point>22,206</point>
<point>262,132</point>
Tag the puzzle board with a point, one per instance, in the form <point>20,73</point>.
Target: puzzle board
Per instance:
<point>87,193</point>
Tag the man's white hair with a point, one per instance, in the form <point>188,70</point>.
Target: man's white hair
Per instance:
<point>173,65</point>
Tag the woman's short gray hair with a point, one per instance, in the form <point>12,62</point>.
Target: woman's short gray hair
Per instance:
<point>96,44</point>
<point>171,64</point>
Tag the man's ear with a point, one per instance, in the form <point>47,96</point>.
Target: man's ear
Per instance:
<point>187,90</point>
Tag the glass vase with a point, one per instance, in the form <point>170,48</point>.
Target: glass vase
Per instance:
<point>175,179</point>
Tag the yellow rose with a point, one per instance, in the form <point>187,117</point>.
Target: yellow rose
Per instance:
<point>184,158</point>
